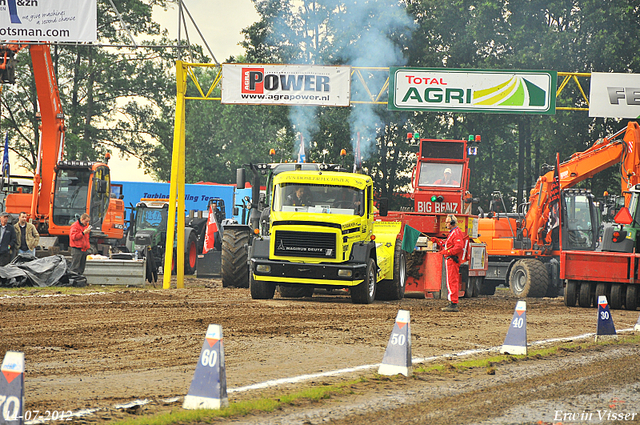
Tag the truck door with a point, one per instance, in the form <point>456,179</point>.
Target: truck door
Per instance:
<point>99,196</point>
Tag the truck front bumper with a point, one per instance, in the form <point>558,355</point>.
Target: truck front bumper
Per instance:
<point>341,275</point>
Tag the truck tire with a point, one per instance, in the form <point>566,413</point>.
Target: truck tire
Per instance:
<point>365,293</point>
<point>618,293</point>
<point>393,289</point>
<point>571,293</point>
<point>191,254</point>
<point>487,286</point>
<point>632,297</point>
<point>603,289</point>
<point>234,257</point>
<point>528,278</point>
<point>261,290</point>
<point>299,291</point>
<point>584,296</point>
<point>478,283</point>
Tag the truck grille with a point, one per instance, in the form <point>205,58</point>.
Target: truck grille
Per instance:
<point>305,244</point>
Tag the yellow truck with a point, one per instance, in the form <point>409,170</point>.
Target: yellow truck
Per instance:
<point>323,235</point>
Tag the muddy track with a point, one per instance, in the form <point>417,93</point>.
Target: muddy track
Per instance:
<point>95,350</point>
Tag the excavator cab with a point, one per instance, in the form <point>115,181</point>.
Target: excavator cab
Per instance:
<point>80,187</point>
<point>581,221</point>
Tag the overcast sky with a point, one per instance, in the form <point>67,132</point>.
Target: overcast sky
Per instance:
<point>220,22</point>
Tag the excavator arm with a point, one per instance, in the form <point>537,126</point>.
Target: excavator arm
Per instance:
<point>581,166</point>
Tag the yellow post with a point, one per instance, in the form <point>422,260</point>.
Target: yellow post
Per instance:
<point>176,191</point>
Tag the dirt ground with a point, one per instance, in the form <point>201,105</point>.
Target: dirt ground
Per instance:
<point>89,349</point>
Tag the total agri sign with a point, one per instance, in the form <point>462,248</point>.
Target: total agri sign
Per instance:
<point>253,84</point>
<point>468,90</point>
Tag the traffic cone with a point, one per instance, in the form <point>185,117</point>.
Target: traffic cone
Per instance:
<point>605,329</point>
<point>397,357</point>
<point>516,340</point>
<point>12,389</point>
<point>209,385</point>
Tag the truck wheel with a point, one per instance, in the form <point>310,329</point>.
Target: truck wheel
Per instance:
<point>299,291</point>
<point>478,282</point>
<point>365,293</point>
<point>603,289</point>
<point>584,297</point>
<point>571,293</point>
<point>618,292</point>
<point>393,289</point>
<point>529,278</point>
<point>487,287</point>
<point>191,254</point>
<point>632,297</point>
<point>234,256</point>
<point>261,290</point>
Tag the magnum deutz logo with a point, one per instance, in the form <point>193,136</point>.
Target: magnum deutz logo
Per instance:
<point>472,90</point>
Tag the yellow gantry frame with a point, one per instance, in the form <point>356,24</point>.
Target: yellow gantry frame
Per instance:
<point>361,75</point>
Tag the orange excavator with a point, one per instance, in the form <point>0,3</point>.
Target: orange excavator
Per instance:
<point>523,254</point>
<point>62,190</point>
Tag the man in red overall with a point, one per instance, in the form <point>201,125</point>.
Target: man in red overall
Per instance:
<point>79,243</point>
<point>453,248</point>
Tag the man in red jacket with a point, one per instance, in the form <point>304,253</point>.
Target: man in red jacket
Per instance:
<point>79,243</point>
<point>453,248</point>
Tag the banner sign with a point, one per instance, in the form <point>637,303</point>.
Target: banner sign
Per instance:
<point>468,90</point>
<point>614,95</point>
<point>50,20</point>
<point>253,84</point>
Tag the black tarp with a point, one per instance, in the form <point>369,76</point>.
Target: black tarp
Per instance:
<point>27,270</point>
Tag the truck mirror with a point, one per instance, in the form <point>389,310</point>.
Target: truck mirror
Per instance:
<point>241,178</point>
<point>236,211</point>
<point>383,207</point>
<point>263,199</point>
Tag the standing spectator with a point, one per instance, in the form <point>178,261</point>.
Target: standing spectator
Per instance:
<point>453,250</point>
<point>79,243</point>
<point>27,235</point>
<point>8,240</point>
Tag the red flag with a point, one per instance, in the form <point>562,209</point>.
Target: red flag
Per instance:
<point>210,235</point>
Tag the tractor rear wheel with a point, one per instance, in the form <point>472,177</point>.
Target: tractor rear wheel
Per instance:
<point>529,278</point>
<point>234,257</point>
<point>191,254</point>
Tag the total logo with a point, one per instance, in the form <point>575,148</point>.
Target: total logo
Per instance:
<point>256,81</point>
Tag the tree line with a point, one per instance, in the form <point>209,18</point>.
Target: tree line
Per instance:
<point>125,98</point>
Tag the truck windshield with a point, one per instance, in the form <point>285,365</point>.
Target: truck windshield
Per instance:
<point>322,199</point>
<point>440,174</point>
<point>70,196</point>
<point>151,218</point>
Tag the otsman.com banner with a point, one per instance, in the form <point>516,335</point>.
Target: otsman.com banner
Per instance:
<point>468,90</point>
<point>253,84</point>
<point>48,20</point>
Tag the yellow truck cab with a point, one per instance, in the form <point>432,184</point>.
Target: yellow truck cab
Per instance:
<point>323,235</point>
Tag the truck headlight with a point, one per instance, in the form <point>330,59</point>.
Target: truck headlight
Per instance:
<point>262,268</point>
<point>345,273</point>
